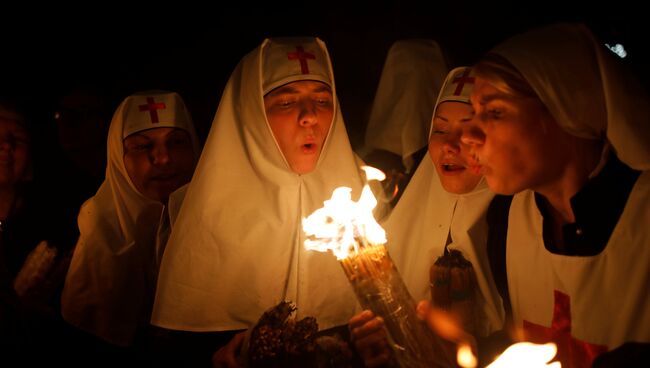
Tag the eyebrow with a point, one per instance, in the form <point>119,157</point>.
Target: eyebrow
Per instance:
<point>137,134</point>
<point>322,88</point>
<point>283,90</point>
<point>291,90</point>
<point>494,97</point>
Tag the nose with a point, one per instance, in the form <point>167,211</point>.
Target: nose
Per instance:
<point>160,155</point>
<point>308,115</point>
<point>472,135</point>
<point>452,144</point>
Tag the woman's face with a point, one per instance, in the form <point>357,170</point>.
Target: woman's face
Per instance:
<point>14,150</point>
<point>300,115</point>
<point>159,161</point>
<point>448,153</point>
<point>515,143</point>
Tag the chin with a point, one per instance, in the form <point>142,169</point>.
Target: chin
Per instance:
<point>501,187</point>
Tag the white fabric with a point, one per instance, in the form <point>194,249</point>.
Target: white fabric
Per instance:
<point>609,299</point>
<point>237,245</point>
<point>401,111</point>
<point>109,286</point>
<point>585,88</point>
<point>426,215</point>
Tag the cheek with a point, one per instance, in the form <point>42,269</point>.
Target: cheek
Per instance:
<point>282,129</point>
<point>327,123</point>
<point>433,149</point>
<point>137,168</point>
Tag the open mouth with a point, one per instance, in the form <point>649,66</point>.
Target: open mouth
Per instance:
<point>451,168</point>
<point>309,147</point>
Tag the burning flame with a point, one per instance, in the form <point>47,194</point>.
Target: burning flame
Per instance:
<point>527,354</point>
<point>465,357</point>
<point>341,224</point>
<point>523,354</point>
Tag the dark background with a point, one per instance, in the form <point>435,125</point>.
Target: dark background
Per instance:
<point>123,48</point>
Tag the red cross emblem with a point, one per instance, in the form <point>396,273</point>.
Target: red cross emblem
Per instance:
<point>301,56</point>
<point>152,106</point>
<point>571,352</point>
<point>461,81</point>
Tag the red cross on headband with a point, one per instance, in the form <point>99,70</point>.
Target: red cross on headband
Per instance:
<point>461,80</point>
<point>302,57</point>
<point>152,107</point>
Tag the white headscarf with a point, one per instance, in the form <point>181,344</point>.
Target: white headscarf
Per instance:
<point>427,214</point>
<point>412,76</point>
<point>109,286</point>
<point>237,246</point>
<point>584,87</point>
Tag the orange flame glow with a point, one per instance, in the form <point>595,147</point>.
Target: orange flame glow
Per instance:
<point>341,224</point>
<point>465,357</point>
<point>527,354</point>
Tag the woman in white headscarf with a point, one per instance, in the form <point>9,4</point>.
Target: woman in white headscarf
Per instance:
<point>563,126</point>
<point>442,212</point>
<point>152,151</point>
<point>276,150</point>
<point>397,131</point>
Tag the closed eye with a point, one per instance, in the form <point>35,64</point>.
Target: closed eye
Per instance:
<point>285,103</point>
<point>494,113</point>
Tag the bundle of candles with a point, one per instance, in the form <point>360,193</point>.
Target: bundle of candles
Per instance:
<point>349,230</point>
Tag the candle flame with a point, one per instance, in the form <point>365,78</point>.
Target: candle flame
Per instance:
<point>527,354</point>
<point>465,357</point>
<point>341,224</point>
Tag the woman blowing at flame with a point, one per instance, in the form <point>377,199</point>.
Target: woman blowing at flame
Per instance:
<point>441,212</point>
<point>560,124</point>
<point>276,150</point>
